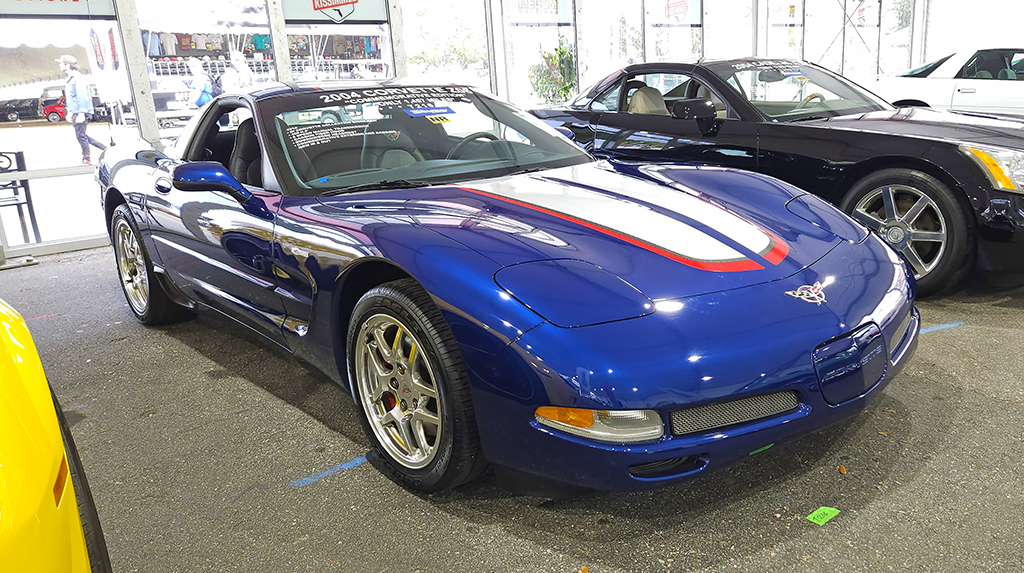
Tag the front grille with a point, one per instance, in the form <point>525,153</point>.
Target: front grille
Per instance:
<point>901,331</point>
<point>736,412</point>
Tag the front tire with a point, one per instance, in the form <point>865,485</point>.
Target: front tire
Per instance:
<point>411,388</point>
<point>12,116</point>
<point>142,289</point>
<point>53,117</point>
<point>922,219</point>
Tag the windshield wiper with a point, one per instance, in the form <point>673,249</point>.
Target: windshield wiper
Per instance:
<point>808,118</point>
<point>376,185</point>
<point>527,170</point>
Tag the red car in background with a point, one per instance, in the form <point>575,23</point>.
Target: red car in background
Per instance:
<point>54,112</point>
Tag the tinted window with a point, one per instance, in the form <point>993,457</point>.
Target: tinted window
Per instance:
<point>609,101</point>
<point>926,69</point>
<point>993,65</point>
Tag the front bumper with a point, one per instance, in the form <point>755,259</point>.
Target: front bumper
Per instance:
<point>717,348</point>
<point>564,458</point>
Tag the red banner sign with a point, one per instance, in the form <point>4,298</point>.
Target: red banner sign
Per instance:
<point>327,4</point>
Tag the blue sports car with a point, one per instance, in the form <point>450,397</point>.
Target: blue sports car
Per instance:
<point>490,294</point>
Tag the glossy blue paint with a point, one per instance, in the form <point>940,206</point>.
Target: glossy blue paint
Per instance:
<point>287,266</point>
<point>850,365</point>
<point>570,293</point>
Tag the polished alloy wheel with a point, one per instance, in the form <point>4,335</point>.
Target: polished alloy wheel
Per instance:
<point>398,391</point>
<point>131,265</point>
<point>909,220</point>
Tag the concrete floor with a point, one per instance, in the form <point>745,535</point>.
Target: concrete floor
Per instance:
<point>197,439</point>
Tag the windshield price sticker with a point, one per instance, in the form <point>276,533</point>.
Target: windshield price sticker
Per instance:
<point>406,97</point>
<point>425,111</point>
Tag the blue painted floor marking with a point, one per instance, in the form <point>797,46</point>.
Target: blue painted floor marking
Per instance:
<point>942,327</point>
<point>319,476</point>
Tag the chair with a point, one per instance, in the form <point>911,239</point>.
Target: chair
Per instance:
<point>244,162</point>
<point>647,100</point>
<point>387,145</point>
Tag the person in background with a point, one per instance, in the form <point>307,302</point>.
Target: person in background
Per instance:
<point>78,105</point>
<point>238,76</point>
<point>200,84</point>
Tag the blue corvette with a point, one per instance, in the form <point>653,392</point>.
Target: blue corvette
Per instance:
<point>490,294</point>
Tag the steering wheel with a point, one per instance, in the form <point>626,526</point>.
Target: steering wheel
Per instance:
<point>465,141</point>
<point>803,103</point>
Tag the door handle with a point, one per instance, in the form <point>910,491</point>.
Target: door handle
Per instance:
<point>966,90</point>
<point>162,185</point>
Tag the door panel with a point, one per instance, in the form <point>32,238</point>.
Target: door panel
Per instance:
<point>731,143</point>
<point>218,250</point>
<point>989,95</point>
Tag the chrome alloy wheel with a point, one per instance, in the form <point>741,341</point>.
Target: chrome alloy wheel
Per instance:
<point>398,391</point>
<point>909,220</point>
<point>131,265</point>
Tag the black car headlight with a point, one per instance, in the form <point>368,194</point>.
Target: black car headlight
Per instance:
<point>1003,167</point>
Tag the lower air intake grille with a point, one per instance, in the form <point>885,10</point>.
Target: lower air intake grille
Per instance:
<point>735,412</point>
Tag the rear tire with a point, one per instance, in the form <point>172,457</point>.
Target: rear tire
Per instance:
<point>12,116</point>
<point>922,219</point>
<point>95,544</point>
<point>412,392</point>
<point>142,289</point>
<point>53,117</point>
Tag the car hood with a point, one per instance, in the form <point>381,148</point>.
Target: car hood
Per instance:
<point>667,231</point>
<point>953,126</point>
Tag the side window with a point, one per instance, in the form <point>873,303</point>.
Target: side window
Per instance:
<point>994,65</point>
<point>608,101</point>
<point>653,93</point>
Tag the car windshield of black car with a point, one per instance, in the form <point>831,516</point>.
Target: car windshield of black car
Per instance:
<point>433,134</point>
<point>785,90</point>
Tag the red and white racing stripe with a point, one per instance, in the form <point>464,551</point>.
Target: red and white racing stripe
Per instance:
<point>635,222</point>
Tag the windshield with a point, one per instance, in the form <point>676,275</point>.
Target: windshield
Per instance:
<point>788,90</point>
<point>925,70</point>
<point>404,136</point>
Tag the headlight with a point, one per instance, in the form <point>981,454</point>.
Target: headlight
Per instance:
<point>615,426</point>
<point>1004,167</point>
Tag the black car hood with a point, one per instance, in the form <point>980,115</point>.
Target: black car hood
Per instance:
<point>930,123</point>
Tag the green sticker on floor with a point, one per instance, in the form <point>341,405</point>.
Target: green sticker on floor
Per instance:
<point>823,514</point>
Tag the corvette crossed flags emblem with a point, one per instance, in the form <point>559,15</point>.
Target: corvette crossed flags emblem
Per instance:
<point>809,293</point>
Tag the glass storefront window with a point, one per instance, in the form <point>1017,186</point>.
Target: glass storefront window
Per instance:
<point>34,108</point>
<point>897,36</point>
<point>860,57</point>
<point>674,29</point>
<point>823,34</point>
<point>728,29</point>
<point>194,51</point>
<point>541,48</point>
<point>446,46</point>
<point>611,36</point>
<point>785,29</point>
<point>339,51</point>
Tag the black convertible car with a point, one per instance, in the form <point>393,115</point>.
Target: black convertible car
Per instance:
<point>945,189</point>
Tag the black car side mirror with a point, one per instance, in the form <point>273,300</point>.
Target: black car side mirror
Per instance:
<point>700,109</point>
<point>696,108</point>
<point>209,176</point>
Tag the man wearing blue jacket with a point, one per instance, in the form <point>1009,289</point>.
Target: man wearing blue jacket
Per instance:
<point>78,105</point>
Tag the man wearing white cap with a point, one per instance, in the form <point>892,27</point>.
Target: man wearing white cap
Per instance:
<point>78,105</point>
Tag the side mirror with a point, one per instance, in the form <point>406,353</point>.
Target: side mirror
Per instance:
<point>697,108</point>
<point>209,176</point>
<point>568,133</point>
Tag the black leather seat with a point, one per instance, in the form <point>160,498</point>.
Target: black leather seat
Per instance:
<point>244,162</point>
<point>387,145</point>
